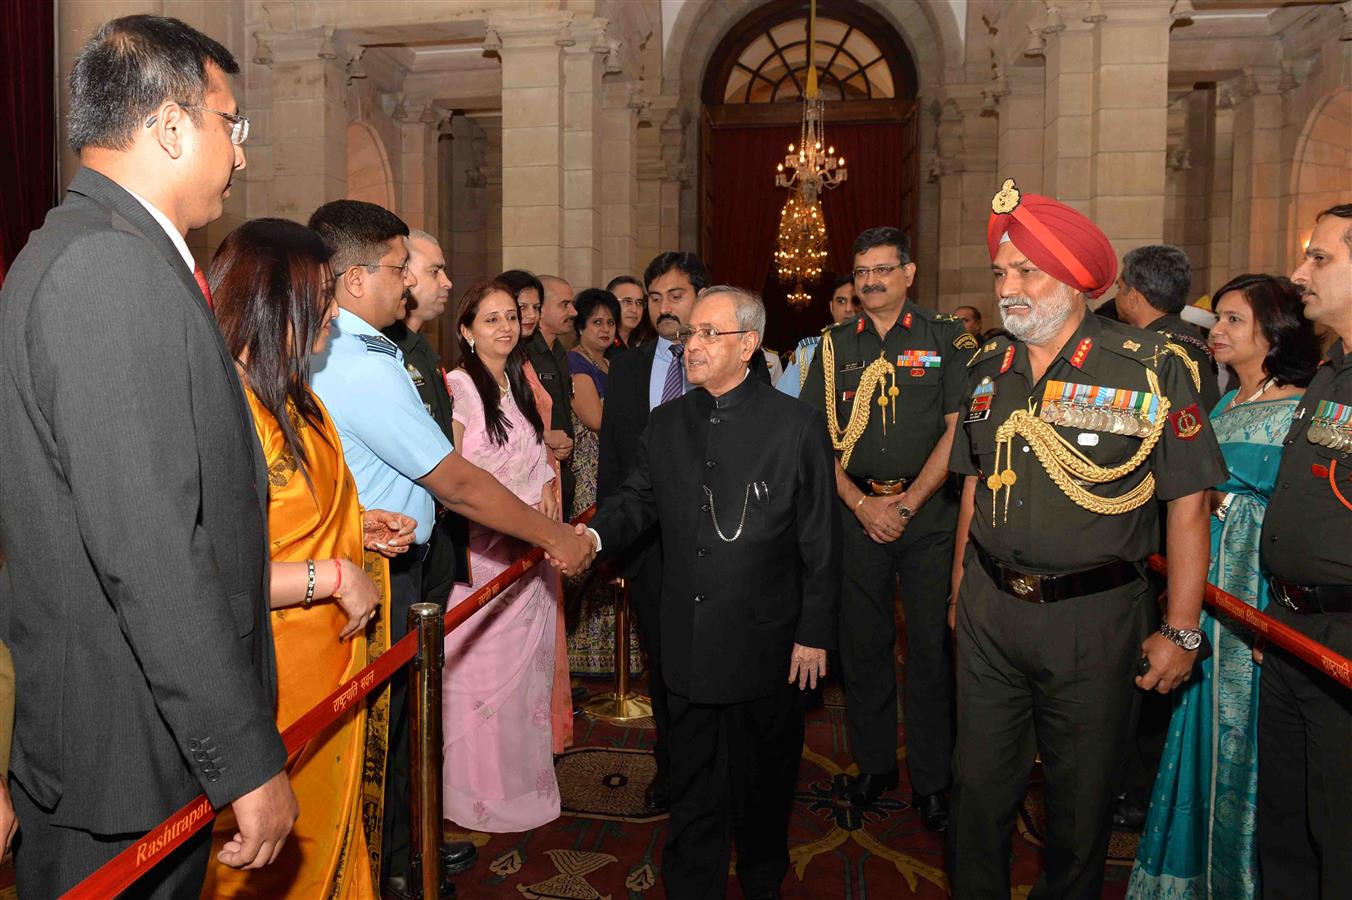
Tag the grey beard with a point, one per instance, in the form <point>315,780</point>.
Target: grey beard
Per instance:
<point>1043,320</point>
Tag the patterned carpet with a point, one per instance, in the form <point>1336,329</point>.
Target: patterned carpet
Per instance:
<point>606,846</point>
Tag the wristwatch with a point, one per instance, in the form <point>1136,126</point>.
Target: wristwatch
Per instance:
<point>1187,638</point>
<point>904,511</point>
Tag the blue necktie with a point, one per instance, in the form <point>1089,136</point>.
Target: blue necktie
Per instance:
<point>674,386</point>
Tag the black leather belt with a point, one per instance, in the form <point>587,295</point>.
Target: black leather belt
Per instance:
<point>1301,598</point>
<point>1051,588</point>
<point>877,487</point>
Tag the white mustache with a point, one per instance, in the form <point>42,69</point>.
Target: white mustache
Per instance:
<point>1008,302</point>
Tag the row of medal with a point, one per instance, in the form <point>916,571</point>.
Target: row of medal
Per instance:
<point>1093,408</point>
<point>1331,426</point>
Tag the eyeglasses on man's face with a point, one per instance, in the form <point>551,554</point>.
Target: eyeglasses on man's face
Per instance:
<point>239,126</point>
<point>633,302</point>
<point>707,334</point>
<point>864,273</point>
<point>402,270</point>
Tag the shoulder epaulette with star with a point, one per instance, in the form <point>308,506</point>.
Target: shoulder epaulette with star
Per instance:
<point>376,343</point>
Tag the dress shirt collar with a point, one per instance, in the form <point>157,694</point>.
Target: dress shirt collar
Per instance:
<point>175,238</point>
<point>664,349</point>
<point>351,323</point>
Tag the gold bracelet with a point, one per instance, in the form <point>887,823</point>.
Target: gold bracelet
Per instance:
<point>860,502</point>
<point>309,584</point>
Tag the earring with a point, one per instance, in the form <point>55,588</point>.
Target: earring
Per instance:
<point>471,344</point>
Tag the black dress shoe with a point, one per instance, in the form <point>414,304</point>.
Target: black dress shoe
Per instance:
<point>933,809</point>
<point>457,857</point>
<point>868,787</point>
<point>656,797</point>
<point>1127,816</point>
<point>397,886</point>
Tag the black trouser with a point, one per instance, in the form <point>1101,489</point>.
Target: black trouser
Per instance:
<point>1153,713</point>
<point>922,558</point>
<point>405,590</point>
<point>733,771</point>
<point>1053,678</point>
<point>444,550</point>
<point>1305,767</point>
<point>50,859</point>
<point>645,596</point>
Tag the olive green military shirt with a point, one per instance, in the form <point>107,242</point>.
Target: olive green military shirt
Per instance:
<point>928,353</point>
<point>1307,531</point>
<point>551,367</point>
<point>1190,338</point>
<point>1040,529</point>
<point>424,367</point>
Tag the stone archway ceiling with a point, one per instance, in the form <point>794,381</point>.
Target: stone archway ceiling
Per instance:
<point>773,66</point>
<point>929,29</point>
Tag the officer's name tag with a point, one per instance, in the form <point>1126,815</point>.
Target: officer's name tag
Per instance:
<point>1087,439</point>
<point>546,376</point>
<point>852,367</point>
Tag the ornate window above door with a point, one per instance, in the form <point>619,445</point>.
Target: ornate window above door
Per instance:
<point>772,68</point>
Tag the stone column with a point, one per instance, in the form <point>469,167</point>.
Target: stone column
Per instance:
<point>589,175</point>
<point>1255,216</point>
<point>466,221</point>
<point>417,187</point>
<point>1222,183</point>
<point>531,49</point>
<point>1107,87</point>
<point>622,204</point>
<point>1131,117</point>
<point>308,119</point>
<point>965,168</point>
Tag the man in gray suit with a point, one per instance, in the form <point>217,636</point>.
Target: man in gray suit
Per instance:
<point>133,494</point>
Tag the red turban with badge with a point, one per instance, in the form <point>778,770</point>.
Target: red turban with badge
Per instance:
<point>1058,239</point>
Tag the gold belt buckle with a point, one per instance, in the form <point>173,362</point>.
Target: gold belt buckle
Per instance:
<point>887,488</point>
<point>1025,587</point>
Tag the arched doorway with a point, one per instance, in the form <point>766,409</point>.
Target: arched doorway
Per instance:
<point>369,176</point>
<point>1322,172</point>
<point>752,109</point>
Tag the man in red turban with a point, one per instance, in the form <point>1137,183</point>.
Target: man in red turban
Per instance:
<point>1072,439</point>
<point>1058,239</point>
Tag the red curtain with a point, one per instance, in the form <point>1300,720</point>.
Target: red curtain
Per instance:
<point>745,209</point>
<point>27,122</point>
<point>745,204</point>
<point>871,195</point>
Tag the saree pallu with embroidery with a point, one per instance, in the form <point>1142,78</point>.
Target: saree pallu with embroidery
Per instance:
<point>334,850</point>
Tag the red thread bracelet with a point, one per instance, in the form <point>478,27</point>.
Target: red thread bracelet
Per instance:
<point>338,586</point>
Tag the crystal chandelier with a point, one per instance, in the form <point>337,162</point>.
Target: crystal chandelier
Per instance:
<point>809,169</point>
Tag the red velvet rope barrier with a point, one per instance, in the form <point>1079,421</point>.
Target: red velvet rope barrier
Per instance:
<point>1316,654</point>
<point>122,870</point>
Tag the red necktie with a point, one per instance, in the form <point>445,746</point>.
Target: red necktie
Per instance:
<point>202,283</point>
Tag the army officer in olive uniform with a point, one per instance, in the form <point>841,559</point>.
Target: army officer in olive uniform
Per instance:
<point>425,302</point>
<point>1304,716</point>
<point>1068,435</point>
<point>890,383</point>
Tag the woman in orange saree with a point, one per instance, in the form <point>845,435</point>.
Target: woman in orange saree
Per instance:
<point>273,294</point>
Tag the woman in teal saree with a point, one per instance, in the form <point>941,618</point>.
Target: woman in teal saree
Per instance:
<point>1199,835</point>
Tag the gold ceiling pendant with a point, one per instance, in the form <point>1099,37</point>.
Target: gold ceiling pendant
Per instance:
<point>809,169</point>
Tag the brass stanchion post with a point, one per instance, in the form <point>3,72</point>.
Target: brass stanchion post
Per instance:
<point>620,705</point>
<point>424,768</point>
